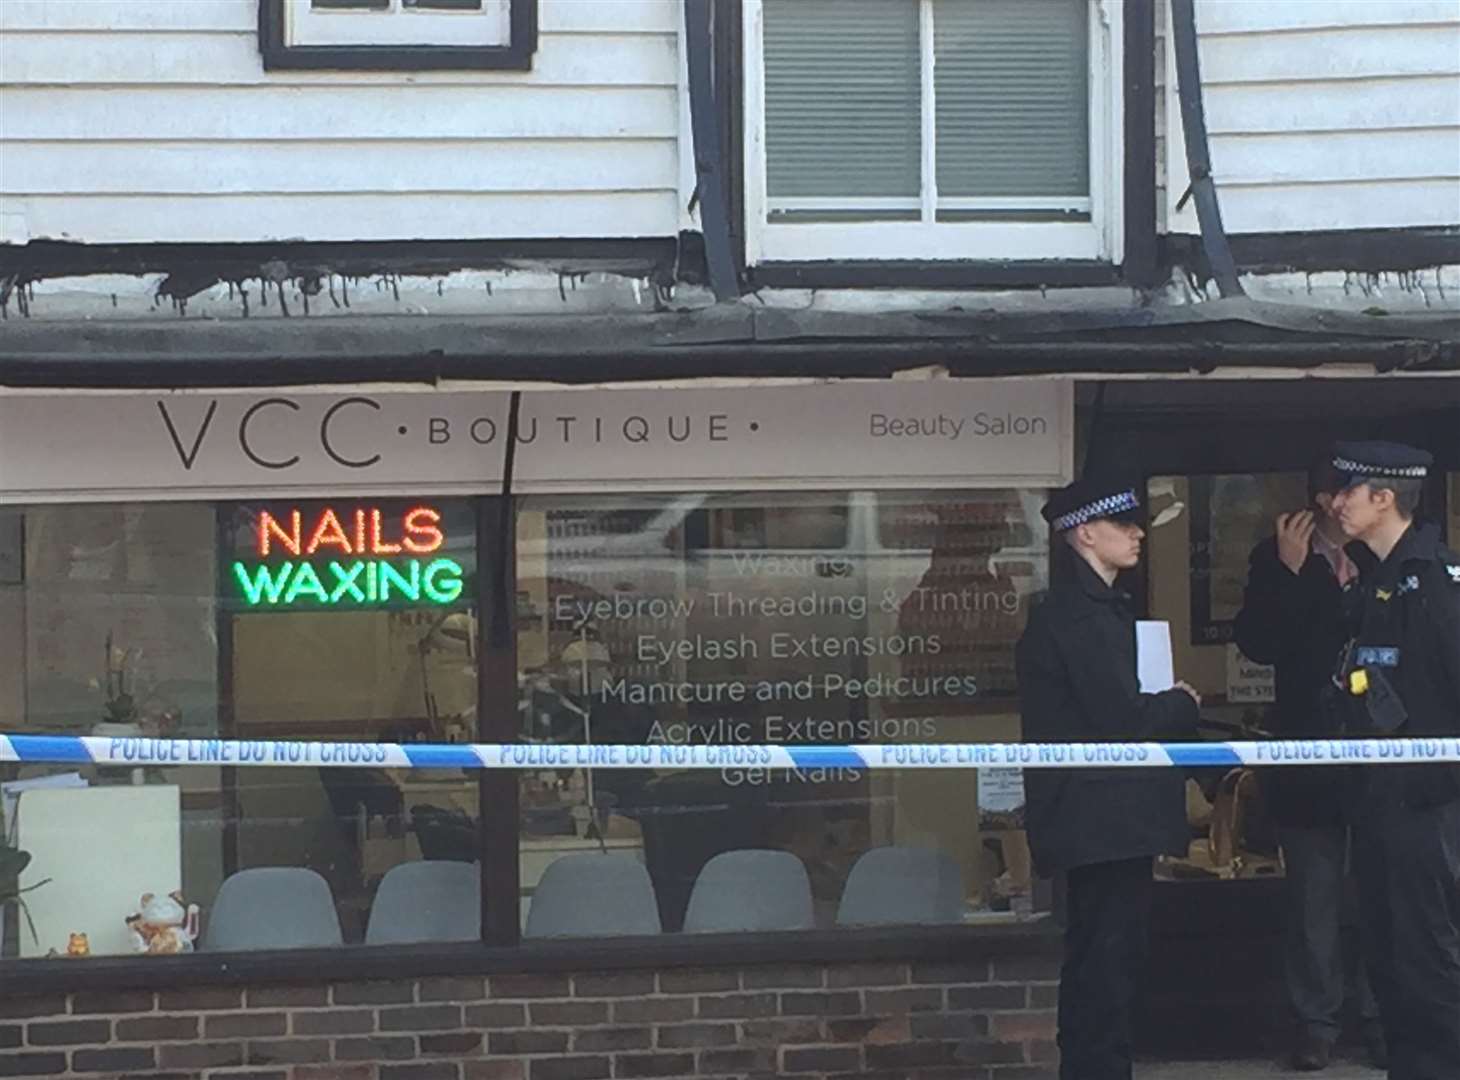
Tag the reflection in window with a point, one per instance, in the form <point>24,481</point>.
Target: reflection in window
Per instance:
<point>813,618</point>
<point>729,524</point>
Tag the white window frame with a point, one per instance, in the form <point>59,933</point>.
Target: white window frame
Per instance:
<point>1101,238</point>
<point>398,25</point>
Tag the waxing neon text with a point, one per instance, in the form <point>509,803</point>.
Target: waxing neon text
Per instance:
<point>362,581</point>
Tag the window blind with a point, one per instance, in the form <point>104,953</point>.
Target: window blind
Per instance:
<point>842,99</point>
<point>1011,89</point>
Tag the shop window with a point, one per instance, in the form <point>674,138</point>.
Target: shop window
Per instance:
<point>108,619</point>
<point>928,129</point>
<point>796,620</point>
<point>346,623</point>
<point>398,34</point>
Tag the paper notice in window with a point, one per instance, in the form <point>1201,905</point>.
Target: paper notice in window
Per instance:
<point>1153,656</point>
<point>1001,798</point>
<point>1249,683</point>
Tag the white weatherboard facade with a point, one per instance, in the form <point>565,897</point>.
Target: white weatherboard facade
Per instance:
<point>1323,114</point>
<point>154,121</point>
<point>148,121</point>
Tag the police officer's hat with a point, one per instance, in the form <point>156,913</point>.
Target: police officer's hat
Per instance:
<point>1359,462</point>
<point>1091,499</point>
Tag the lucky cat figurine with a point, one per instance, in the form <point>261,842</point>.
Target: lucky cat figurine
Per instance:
<point>164,924</point>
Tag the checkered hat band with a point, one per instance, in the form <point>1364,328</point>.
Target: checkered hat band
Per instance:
<point>1402,472</point>
<point>1123,503</point>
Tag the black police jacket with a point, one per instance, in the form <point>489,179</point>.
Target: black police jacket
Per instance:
<point>1410,632</point>
<point>1298,623</point>
<point>1077,683</point>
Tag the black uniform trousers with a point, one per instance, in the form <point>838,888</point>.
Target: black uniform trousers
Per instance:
<point>1408,863</point>
<point>1319,886</point>
<point>1107,942</point>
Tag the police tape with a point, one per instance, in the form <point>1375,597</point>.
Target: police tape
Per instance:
<point>139,751</point>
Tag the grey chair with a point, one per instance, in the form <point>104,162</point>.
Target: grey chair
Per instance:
<point>427,901</point>
<point>902,885</point>
<point>273,907</point>
<point>750,890</point>
<point>591,895</point>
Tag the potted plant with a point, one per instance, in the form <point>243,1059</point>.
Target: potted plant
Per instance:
<point>120,700</point>
<point>13,862</point>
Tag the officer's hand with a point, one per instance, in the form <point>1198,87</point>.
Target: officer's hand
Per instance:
<point>1294,534</point>
<point>1190,690</point>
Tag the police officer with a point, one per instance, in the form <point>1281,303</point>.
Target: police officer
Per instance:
<point>1401,677</point>
<point>1076,664</point>
<point>1300,584</point>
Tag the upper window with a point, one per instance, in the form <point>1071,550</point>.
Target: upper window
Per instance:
<point>398,34</point>
<point>932,129</point>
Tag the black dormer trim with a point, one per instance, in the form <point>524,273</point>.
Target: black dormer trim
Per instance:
<point>1140,267</point>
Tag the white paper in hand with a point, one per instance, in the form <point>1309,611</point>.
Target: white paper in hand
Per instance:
<point>1154,667</point>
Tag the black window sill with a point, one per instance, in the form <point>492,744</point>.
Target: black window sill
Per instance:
<point>278,57</point>
<point>913,944</point>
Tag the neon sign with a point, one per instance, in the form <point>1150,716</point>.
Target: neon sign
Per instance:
<point>330,559</point>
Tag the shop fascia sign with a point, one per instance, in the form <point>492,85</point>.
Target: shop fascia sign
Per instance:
<point>333,557</point>
<point>217,445</point>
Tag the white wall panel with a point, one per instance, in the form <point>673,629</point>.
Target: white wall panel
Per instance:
<point>132,122</point>
<point>1343,114</point>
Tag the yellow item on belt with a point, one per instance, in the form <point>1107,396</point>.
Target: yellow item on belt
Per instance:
<point>1358,682</point>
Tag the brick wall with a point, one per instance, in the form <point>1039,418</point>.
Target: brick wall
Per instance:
<point>990,1019</point>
